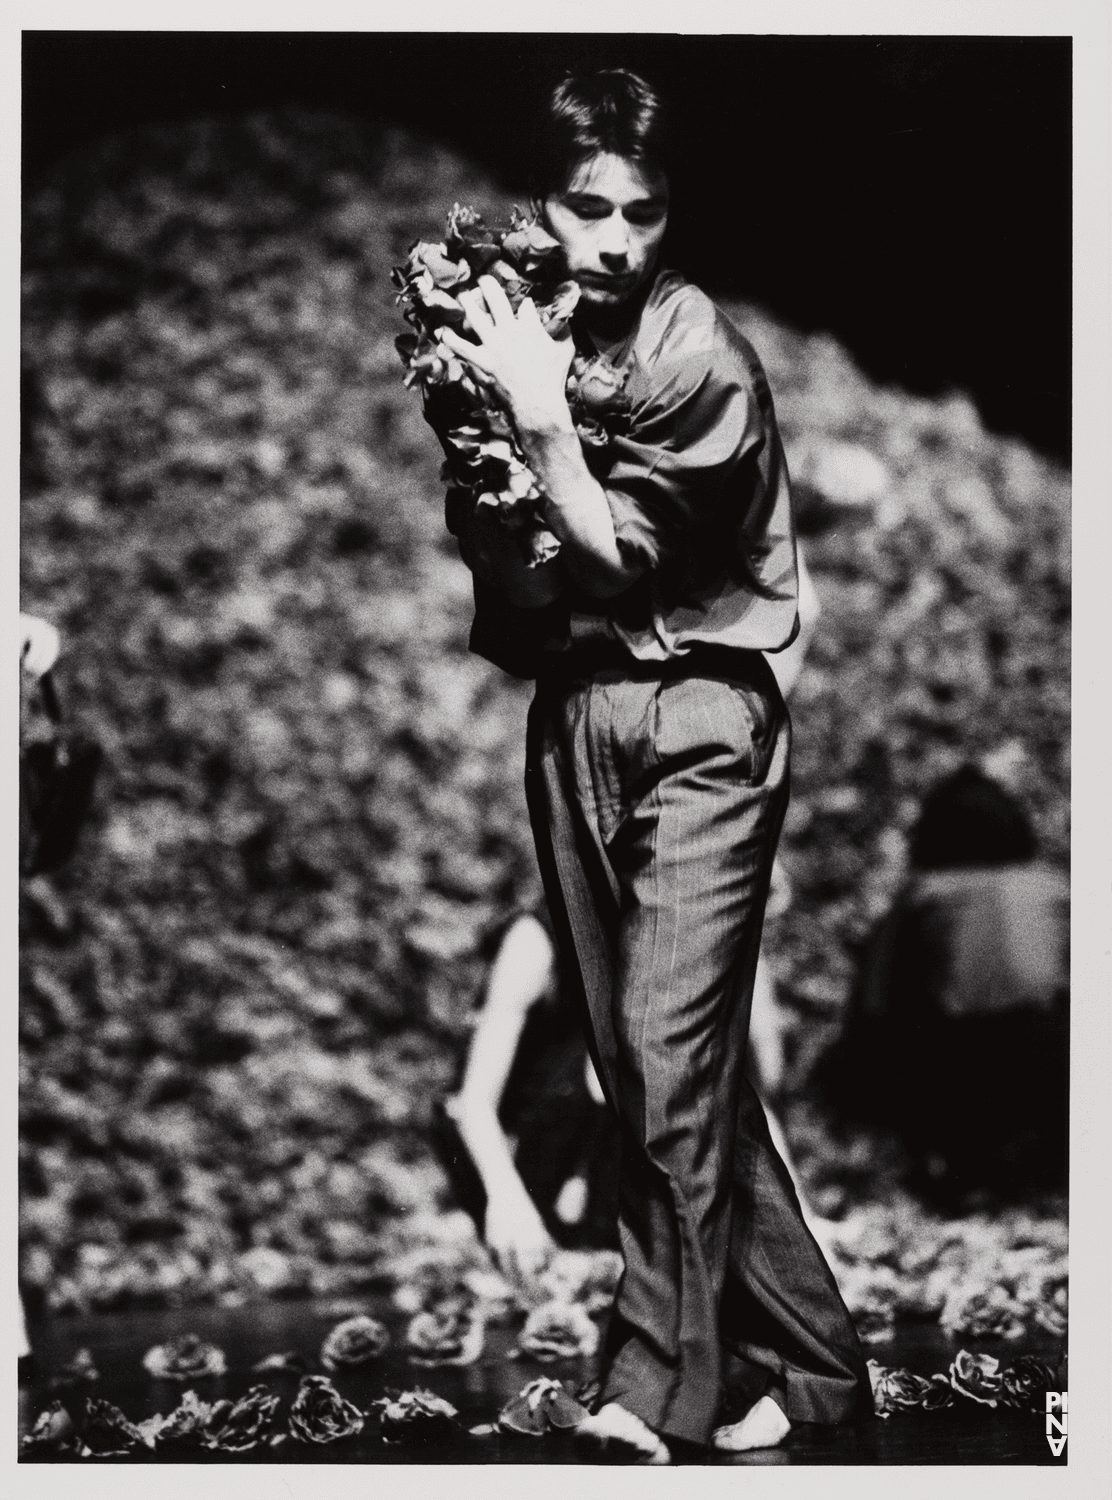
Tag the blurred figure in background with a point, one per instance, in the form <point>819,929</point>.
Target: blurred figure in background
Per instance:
<point>57,766</point>
<point>529,1141</point>
<point>57,773</point>
<point>958,1033</point>
<point>39,644</point>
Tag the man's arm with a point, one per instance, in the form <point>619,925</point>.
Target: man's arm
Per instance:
<point>527,370</point>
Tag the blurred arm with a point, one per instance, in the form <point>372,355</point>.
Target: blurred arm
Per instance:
<point>520,975</point>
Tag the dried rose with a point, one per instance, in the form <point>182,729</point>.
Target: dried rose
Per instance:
<point>480,257</point>
<point>185,1358</point>
<point>589,1277</point>
<point>1053,1312</point>
<point>445,271</point>
<point>555,313</point>
<point>76,1371</point>
<point>353,1342</point>
<point>895,1389</point>
<point>442,307</point>
<point>599,388</point>
<point>976,1376</point>
<point>541,1406</point>
<point>151,1429</point>
<point>533,250</point>
<point>448,1334</point>
<point>320,1414</point>
<point>53,1430</point>
<point>467,227</point>
<point>939,1393</point>
<point>539,546</point>
<point>558,1330</point>
<point>416,1417</point>
<point>289,1360</point>
<point>1025,1382</point>
<point>245,1424</point>
<point>591,433</point>
<point>107,1433</point>
<point>988,1312</point>
<point>875,1325</point>
<point>187,1424</point>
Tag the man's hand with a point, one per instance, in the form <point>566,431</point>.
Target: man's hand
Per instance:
<point>515,358</point>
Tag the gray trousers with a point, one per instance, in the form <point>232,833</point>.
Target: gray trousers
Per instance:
<point>657,797</point>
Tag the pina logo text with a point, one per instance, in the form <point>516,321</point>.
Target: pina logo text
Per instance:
<point>1057,1405</point>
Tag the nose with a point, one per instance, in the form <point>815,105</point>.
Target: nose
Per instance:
<point>614,241</point>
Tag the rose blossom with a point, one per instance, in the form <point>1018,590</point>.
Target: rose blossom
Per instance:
<point>532,249</point>
<point>53,1430</point>
<point>558,1330</point>
<point>353,1342</point>
<point>107,1433</point>
<point>245,1423</point>
<point>895,1389</point>
<point>416,1416</point>
<point>976,1376</point>
<point>187,1423</point>
<point>1025,1382</point>
<point>449,1333</point>
<point>541,1406</point>
<point>320,1414</point>
<point>939,1393</point>
<point>185,1358</point>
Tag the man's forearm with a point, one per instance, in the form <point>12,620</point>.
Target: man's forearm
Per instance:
<point>577,511</point>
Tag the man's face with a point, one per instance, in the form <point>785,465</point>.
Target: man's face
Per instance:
<point>610,219</point>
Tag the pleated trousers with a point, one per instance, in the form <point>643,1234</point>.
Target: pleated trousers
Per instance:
<point>657,794</point>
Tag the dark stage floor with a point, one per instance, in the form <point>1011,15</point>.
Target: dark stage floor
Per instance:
<point>964,1434</point>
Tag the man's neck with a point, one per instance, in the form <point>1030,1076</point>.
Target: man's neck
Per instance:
<point>608,328</point>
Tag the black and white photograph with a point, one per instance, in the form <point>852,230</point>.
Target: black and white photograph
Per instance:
<point>544,789</point>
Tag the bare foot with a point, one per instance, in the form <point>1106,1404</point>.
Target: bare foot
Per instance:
<point>614,1424</point>
<point>763,1426</point>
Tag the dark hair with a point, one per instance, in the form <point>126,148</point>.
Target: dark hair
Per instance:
<point>969,819</point>
<point>586,114</point>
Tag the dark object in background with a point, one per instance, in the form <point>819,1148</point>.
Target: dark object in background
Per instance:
<point>970,821</point>
<point>958,1031</point>
<point>57,776</point>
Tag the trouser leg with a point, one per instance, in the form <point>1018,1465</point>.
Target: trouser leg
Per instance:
<point>657,810</point>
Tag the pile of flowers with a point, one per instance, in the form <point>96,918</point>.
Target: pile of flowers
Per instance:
<point>484,463</point>
<point>1000,1276</point>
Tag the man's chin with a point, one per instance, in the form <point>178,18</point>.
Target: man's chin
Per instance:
<point>606,298</point>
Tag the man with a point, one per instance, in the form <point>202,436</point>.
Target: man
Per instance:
<point>657,773</point>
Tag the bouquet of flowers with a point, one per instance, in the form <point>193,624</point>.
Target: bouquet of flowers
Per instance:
<point>484,461</point>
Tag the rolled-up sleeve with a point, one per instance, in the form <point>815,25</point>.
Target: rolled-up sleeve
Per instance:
<point>687,436</point>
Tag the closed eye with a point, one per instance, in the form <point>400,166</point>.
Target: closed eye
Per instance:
<point>586,206</point>
<point>646,214</point>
